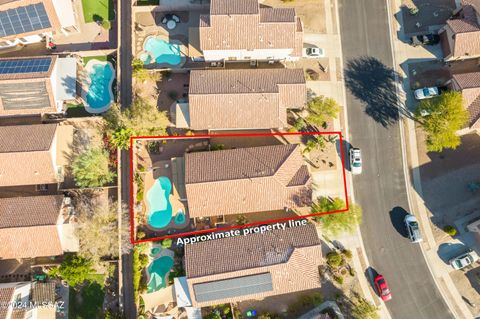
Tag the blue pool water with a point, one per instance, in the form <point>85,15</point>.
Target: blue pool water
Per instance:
<point>162,51</point>
<point>180,217</point>
<point>159,207</point>
<point>99,93</point>
<point>158,270</point>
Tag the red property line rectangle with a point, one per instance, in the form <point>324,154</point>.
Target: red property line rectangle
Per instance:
<point>199,136</point>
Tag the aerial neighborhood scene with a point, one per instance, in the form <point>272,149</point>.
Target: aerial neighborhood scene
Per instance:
<point>235,159</point>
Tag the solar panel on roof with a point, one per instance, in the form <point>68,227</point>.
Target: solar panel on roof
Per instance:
<point>25,65</point>
<point>23,19</point>
<point>233,287</point>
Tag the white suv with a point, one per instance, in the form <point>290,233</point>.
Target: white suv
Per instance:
<point>413,229</point>
<point>355,161</point>
<point>464,260</point>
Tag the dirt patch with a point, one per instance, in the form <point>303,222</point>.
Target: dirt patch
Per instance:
<point>312,13</point>
<point>171,87</point>
<point>315,69</point>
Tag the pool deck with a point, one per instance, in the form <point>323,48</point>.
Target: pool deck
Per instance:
<point>164,168</point>
<point>149,24</point>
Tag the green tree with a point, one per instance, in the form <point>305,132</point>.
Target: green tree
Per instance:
<point>337,223</point>
<point>74,270</point>
<point>121,138</point>
<point>91,169</point>
<point>167,243</point>
<point>138,70</point>
<point>141,118</point>
<point>441,117</point>
<point>363,309</point>
<point>322,109</point>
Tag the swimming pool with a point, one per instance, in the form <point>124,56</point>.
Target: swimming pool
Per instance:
<point>159,207</point>
<point>157,271</point>
<point>180,218</point>
<point>99,95</point>
<point>160,51</point>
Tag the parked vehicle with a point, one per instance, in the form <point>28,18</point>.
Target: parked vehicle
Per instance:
<point>464,260</point>
<point>426,39</point>
<point>413,229</point>
<point>382,288</point>
<point>314,52</point>
<point>426,93</point>
<point>355,161</point>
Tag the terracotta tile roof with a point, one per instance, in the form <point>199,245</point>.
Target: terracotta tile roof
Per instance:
<point>291,256</point>
<point>226,7</point>
<point>235,164</point>
<point>30,242</point>
<point>25,157</point>
<point>243,180</point>
<point>466,30</point>
<point>469,85</point>
<point>6,296</point>
<point>30,211</point>
<point>43,292</point>
<point>26,138</point>
<point>474,111</point>
<point>241,24</point>
<point>300,177</point>
<point>244,98</point>
<point>277,15</point>
<point>258,250</point>
<point>467,80</point>
<point>18,314</point>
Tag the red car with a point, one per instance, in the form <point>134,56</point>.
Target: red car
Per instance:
<point>382,288</point>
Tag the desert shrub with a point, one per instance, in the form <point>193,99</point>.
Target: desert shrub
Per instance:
<point>347,253</point>
<point>334,259</point>
<point>452,231</point>
<point>338,279</point>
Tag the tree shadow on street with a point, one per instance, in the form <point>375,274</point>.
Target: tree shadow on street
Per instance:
<point>373,83</point>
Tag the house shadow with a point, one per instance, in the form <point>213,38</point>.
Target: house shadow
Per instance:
<point>447,251</point>
<point>443,186</point>
<point>374,84</point>
<point>344,146</point>
<point>473,277</point>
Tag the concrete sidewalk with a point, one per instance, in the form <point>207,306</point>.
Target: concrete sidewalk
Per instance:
<point>404,53</point>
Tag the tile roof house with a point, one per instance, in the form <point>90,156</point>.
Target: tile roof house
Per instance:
<point>28,155</point>
<point>242,99</point>
<point>35,226</point>
<point>253,266</point>
<point>36,85</point>
<point>246,180</point>
<point>460,38</point>
<point>30,21</point>
<point>20,293</point>
<point>469,85</point>
<point>244,30</point>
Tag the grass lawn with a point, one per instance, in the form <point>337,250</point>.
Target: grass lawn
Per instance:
<point>102,58</point>
<point>98,10</point>
<point>87,303</point>
<point>76,110</point>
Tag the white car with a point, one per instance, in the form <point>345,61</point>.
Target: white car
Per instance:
<point>464,260</point>
<point>412,229</point>
<point>355,161</point>
<point>426,93</point>
<point>314,52</point>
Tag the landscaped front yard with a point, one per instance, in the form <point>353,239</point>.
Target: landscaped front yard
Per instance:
<point>98,10</point>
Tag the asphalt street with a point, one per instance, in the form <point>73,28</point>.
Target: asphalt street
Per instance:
<point>381,189</point>
<point>125,91</point>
